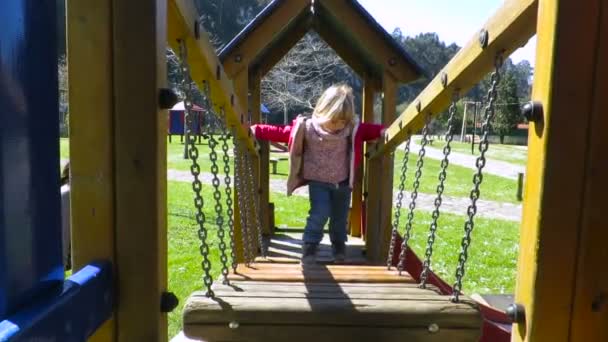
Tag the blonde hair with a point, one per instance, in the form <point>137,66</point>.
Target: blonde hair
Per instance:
<point>336,103</point>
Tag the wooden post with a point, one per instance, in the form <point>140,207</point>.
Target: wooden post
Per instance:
<point>262,163</point>
<point>92,193</point>
<point>140,150</point>
<point>561,282</point>
<point>357,198</point>
<point>380,186</point>
<point>241,86</point>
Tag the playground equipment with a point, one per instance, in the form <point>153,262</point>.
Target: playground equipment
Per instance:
<point>119,290</point>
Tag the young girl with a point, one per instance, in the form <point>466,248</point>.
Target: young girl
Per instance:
<point>324,152</point>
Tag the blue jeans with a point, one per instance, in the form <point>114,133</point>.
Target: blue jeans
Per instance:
<point>327,201</point>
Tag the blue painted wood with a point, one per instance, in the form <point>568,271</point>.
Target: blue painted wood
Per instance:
<point>71,312</point>
<point>30,232</point>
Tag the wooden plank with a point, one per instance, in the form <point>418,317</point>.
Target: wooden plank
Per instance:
<point>323,312</point>
<point>250,288</point>
<point>590,312</point>
<point>298,333</point>
<point>321,277</point>
<point>251,283</point>
<point>555,203</point>
<point>267,60</point>
<point>206,66</point>
<point>359,30</point>
<point>508,29</point>
<point>139,33</point>
<point>89,42</point>
<point>259,38</point>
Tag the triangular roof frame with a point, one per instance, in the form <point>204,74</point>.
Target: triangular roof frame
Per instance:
<point>344,24</point>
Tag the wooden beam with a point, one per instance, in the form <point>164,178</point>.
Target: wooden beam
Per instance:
<point>342,49</point>
<point>508,29</point>
<point>89,42</point>
<point>205,65</point>
<point>262,35</point>
<point>359,30</point>
<point>267,60</point>
<point>140,129</point>
<point>262,162</point>
<point>560,281</point>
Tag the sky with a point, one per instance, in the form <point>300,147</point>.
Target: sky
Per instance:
<point>454,21</point>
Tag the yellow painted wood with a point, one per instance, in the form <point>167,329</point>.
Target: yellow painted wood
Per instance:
<point>262,36</point>
<point>590,312</point>
<point>509,28</point>
<point>140,129</point>
<point>89,42</point>
<point>359,29</point>
<point>560,203</point>
<point>205,65</point>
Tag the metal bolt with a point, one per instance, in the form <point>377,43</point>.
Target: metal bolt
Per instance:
<point>238,58</point>
<point>444,79</point>
<point>433,328</point>
<point>168,302</point>
<point>233,325</point>
<point>167,98</point>
<point>483,38</point>
<point>532,111</point>
<point>516,313</point>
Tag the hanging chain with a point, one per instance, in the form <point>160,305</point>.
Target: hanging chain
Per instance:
<point>414,196</point>
<point>395,231</point>
<point>255,205</point>
<point>243,203</point>
<point>447,149</point>
<point>195,169</point>
<point>228,191</point>
<point>478,177</point>
<point>217,194</point>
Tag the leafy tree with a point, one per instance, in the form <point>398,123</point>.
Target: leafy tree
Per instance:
<point>508,109</point>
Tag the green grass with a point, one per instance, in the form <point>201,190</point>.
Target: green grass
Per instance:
<point>513,154</point>
<point>491,265</point>
<point>459,180</point>
<point>64,148</point>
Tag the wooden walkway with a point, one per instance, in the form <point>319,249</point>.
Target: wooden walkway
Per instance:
<point>277,299</point>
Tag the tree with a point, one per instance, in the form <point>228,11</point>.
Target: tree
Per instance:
<point>295,83</point>
<point>507,111</point>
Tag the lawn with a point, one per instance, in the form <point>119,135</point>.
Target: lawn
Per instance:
<point>513,154</point>
<point>491,265</point>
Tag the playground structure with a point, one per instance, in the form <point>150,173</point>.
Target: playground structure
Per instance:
<point>119,290</point>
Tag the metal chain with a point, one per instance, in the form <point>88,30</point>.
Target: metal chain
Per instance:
<point>243,204</point>
<point>447,149</point>
<point>395,231</point>
<point>255,205</point>
<point>217,196</point>
<point>195,169</point>
<point>228,191</point>
<point>414,195</point>
<point>478,177</point>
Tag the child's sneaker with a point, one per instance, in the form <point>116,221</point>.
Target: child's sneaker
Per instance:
<point>339,252</point>
<point>309,253</point>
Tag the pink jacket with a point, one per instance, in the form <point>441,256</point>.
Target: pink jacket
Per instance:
<point>293,135</point>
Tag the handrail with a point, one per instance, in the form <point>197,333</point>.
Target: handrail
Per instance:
<point>508,29</point>
<point>183,24</point>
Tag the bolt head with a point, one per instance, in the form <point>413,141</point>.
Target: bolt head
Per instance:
<point>532,111</point>
<point>516,313</point>
<point>233,325</point>
<point>433,328</point>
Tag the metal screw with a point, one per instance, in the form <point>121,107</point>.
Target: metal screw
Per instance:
<point>168,302</point>
<point>433,328</point>
<point>516,313</point>
<point>233,325</point>
<point>167,98</point>
<point>483,38</point>
<point>533,111</point>
<point>238,58</point>
<point>444,79</point>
